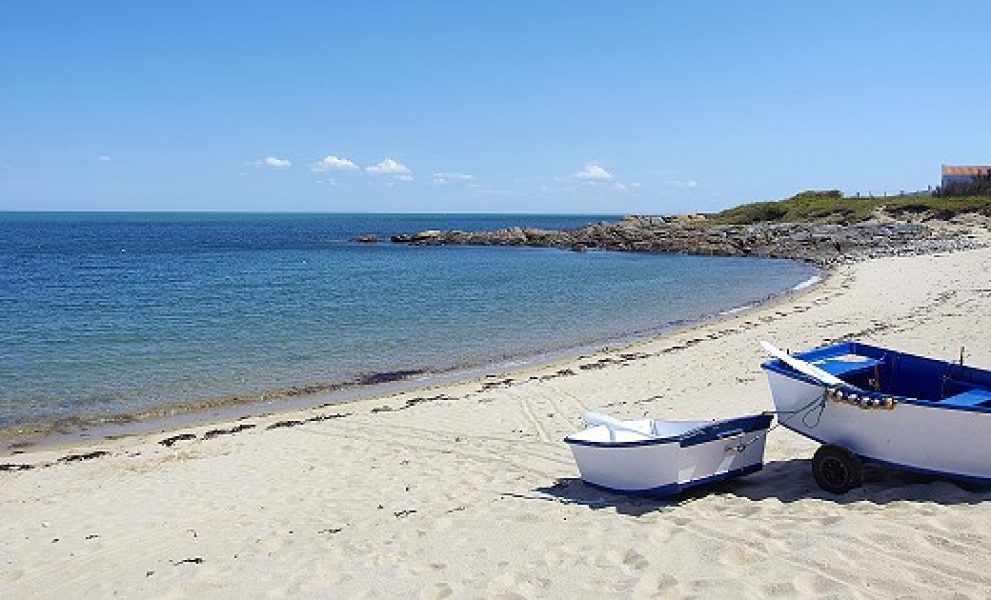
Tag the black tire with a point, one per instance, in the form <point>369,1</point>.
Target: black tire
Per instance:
<point>836,469</point>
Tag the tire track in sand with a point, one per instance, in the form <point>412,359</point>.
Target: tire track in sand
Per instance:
<point>442,447</point>
<point>527,411</point>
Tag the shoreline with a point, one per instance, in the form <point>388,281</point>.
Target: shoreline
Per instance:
<point>606,237</point>
<point>228,418</point>
<point>83,430</point>
<point>90,429</point>
<point>466,488</point>
<point>79,429</point>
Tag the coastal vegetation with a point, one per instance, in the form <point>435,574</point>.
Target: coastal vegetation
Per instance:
<point>832,206</point>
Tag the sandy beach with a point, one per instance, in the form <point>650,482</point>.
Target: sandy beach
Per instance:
<point>466,490</point>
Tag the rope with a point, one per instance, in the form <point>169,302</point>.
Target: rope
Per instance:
<point>808,409</point>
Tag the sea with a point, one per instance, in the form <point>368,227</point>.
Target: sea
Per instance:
<point>104,315</point>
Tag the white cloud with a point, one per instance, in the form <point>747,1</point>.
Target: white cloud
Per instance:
<point>619,187</point>
<point>277,163</point>
<point>393,168</point>
<point>272,163</point>
<point>683,184</point>
<point>442,178</point>
<point>103,158</point>
<point>333,163</point>
<point>593,172</point>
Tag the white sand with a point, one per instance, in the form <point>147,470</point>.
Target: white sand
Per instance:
<point>456,497</point>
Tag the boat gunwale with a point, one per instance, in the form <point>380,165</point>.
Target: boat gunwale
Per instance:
<point>774,365</point>
<point>709,432</point>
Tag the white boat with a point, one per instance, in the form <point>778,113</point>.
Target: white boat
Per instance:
<point>867,403</point>
<point>662,458</point>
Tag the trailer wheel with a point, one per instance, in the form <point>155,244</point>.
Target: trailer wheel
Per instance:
<point>836,469</point>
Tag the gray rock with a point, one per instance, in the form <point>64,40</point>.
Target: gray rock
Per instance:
<point>818,243</point>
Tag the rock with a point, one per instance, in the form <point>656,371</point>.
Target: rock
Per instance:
<point>690,218</point>
<point>429,234</point>
<point>818,243</point>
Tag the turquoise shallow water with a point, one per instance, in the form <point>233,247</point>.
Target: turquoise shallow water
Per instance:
<point>104,314</point>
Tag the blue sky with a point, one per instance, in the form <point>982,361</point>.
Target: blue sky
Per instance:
<point>601,107</point>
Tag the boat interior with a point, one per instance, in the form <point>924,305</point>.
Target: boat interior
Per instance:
<point>635,431</point>
<point>892,373</point>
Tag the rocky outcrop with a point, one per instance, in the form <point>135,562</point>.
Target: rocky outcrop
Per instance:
<point>818,243</point>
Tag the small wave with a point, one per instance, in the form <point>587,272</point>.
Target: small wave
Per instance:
<point>808,282</point>
<point>515,363</point>
<point>737,309</point>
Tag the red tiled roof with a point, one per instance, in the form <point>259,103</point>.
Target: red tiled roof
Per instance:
<point>972,171</point>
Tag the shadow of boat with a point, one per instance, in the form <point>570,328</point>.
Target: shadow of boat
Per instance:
<point>791,481</point>
<point>786,481</point>
<point>572,490</point>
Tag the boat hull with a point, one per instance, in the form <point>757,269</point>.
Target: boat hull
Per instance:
<point>914,435</point>
<point>669,465</point>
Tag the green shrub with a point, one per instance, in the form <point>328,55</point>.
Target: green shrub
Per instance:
<point>832,206</point>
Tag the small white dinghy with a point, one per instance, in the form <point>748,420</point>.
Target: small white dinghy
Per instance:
<point>662,458</point>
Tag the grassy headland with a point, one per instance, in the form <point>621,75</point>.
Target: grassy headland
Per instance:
<point>833,207</point>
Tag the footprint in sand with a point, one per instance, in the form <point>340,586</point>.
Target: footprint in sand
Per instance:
<point>663,532</point>
<point>814,584</point>
<point>738,556</point>
<point>635,560</point>
<point>556,556</point>
<point>748,511</point>
<point>831,520</point>
<point>628,558</point>
<point>649,586</point>
<point>501,585</point>
<point>780,589</point>
<point>436,591</point>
